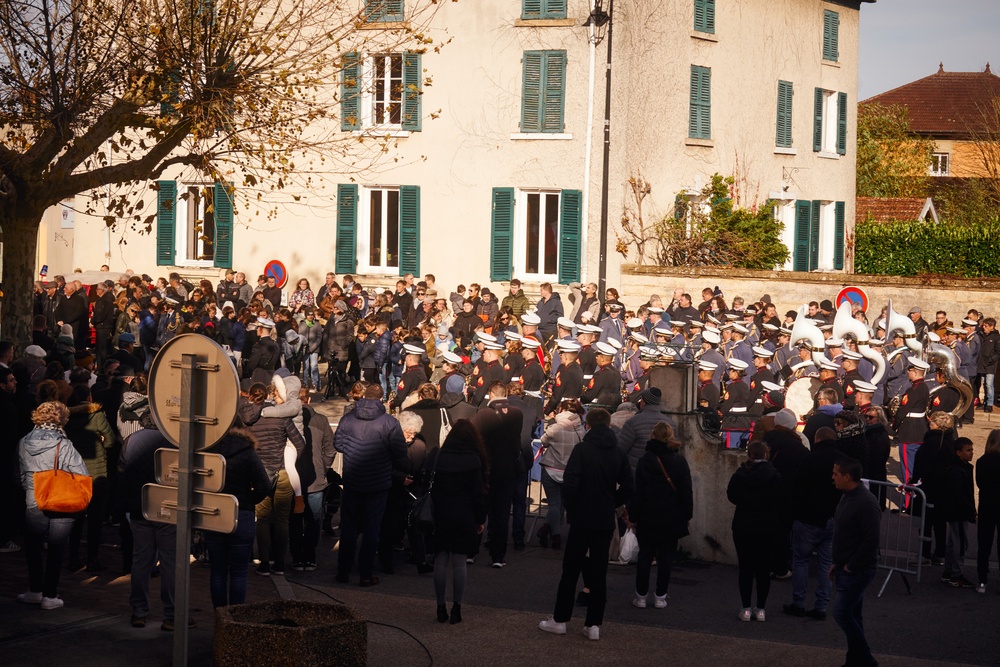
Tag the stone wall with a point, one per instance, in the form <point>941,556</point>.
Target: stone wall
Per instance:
<point>789,290</point>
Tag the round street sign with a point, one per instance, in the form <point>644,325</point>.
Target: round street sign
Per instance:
<point>276,269</point>
<point>215,385</point>
<point>855,295</point>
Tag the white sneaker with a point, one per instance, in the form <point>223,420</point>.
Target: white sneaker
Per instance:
<point>592,632</point>
<point>52,603</point>
<point>758,615</point>
<point>30,598</point>
<point>639,601</point>
<point>981,588</point>
<point>745,614</point>
<point>9,548</point>
<point>550,625</point>
<point>660,602</point>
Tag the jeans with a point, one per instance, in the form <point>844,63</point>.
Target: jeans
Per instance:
<point>988,382</point>
<point>847,612</point>
<point>229,556</point>
<point>578,543</point>
<point>151,542</point>
<point>273,513</point>
<point>148,352</point>
<point>310,370</point>
<point>754,553</point>
<point>360,513</point>
<point>986,530</point>
<point>304,529</point>
<point>553,495</point>
<point>664,553</point>
<point>41,527</point>
<point>805,540</point>
<point>954,553</point>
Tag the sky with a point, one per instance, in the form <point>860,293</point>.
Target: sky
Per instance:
<point>904,40</point>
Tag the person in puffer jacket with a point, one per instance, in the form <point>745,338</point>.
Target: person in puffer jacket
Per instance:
<point>312,332</point>
<point>288,404</point>
<point>372,443</point>
<point>638,430</point>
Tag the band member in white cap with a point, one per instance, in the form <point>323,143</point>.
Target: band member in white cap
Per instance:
<point>532,375</point>
<point>761,359</point>
<point>605,388</point>
<point>529,329</point>
<point>512,362</point>
<point>828,378</point>
<point>736,397</point>
<point>569,378</point>
<point>264,356</point>
<point>453,381</point>
<point>849,362</point>
<point>708,391</point>
<point>490,373</point>
<point>710,341</point>
<point>412,377</point>
<point>565,330</point>
<point>910,422</point>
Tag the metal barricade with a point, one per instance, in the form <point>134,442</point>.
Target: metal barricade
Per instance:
<point>902,535</point>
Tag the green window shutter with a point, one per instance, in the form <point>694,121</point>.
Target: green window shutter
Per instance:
<point>531,9</point>
<point>704,16</point>
<point>350,93</point>
<point>346,251</point>
<point>531,96</point>
<point>842,123</point>
<point>818,120</point>
<point>383,11</point>
<point>166,222</point>
<point>553,91</point>
<point>831,35</point>
<point>409,230</point>
<point>570,233</point>
<point>814,235</point>
<point>838,235</point>
<point>783,135</point>
<point>700,111</point>
<point>393,11</point>
<point>554,9</point>
<point>223,207</point>
<point>502,223</point>
<point>171,94</point>
<point>803,218</point>
<point>412,91</point>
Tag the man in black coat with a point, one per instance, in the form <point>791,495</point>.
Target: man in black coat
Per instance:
<point>598,479</point>
<point>73,311</point>
<point>532,413</point>
<point>500,424</point>
<point>989,355</point>
<point>103,319</point>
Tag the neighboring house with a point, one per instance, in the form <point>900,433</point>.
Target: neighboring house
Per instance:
<point>496,170</point>
<point>890,209</point>
<point>947,107</point>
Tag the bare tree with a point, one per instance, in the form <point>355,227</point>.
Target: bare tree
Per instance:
<point>98,97</point>
<point>984,136</point>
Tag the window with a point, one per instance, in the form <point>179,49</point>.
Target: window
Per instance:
<point>700,114</point>
<point>194,227</point>
<point>830,122</point>
<point>783,134</point>
<point>383,229</point>
<point>704,16</point>
<point>940,164</point>
<point>831,35</point>
<point>819,236</point>
<point>544,91</point>
<point>536,234</point>
<point>383,11</point>
<point>387,240</point>
<point>543,9</point>
<point>381,92</point>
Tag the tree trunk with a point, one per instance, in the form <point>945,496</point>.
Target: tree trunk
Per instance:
<point>20,241</point>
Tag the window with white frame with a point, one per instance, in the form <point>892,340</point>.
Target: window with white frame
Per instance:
<point>536,235</point>
<point>829,122</point>
<point>196,225</point>
<point>378,240</point>
<point>382,105</point>
<point>940,164</point>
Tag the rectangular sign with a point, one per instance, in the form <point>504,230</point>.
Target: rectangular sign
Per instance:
<point>217,512</point>
<point>210,469</point>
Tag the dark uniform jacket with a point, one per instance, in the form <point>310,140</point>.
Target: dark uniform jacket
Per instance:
<point>708,396</point>
<point>512,365</point>
<point>914,402</point>
<point>568,384</point>
<point>850,400</point>
<point>604,389</point>
<point>637,387</point>
<point>834,384</point>
<point>411,378</point>
<point>588,362</point>
<point>737,395</point>
<point>757,391</point>
<point>481,381</point>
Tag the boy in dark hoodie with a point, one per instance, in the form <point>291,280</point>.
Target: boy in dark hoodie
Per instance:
<point>959,507</point>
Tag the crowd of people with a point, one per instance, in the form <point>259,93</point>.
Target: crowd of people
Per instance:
<point>447,395</point>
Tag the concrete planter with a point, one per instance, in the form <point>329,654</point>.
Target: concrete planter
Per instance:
<point>289,632</point>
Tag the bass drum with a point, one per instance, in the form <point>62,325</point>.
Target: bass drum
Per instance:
<point>800,395</point>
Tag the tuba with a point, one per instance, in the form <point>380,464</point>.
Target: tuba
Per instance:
<point>946,361</point>
<point>845,324</point>
<point>806,329</point>
<point>896,322</point>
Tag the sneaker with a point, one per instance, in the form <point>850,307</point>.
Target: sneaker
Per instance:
<point>783,575</point>
<point>592,632</point>
<point>660,601</point>
<point>9,548</point>
<point>309,566</point>
<point>36,598</point>
<point>264,570</point>
<point>758,614</point>
<point>299,567</point>
<point>962,582</point>
<point>946,578</point>
<point>52,603</point>
<point>981,588</point>
<point>550,625</point>
<point>471,560</point>
<point>745,614</point>
<point>499,564</point>
<point>794,610</point>
<point>639,601</point>
<point>168,625</point>
<point>937,560</point>
<point>816,614</point>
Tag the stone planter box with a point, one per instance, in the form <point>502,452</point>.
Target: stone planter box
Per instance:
<point>289,632</point>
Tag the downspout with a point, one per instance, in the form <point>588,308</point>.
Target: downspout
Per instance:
<point>588,150</point>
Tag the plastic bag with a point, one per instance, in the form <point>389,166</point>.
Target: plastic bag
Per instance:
<point>629,552</point>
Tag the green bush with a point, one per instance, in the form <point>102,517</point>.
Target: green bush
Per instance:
<point>915,248</point>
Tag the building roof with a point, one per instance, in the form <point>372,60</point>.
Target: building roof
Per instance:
<point>887,209</point>
<point>944,103</point>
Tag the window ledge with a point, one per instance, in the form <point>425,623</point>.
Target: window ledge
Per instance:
<point>545,23</point>
<point>375,133</point>
<point>195,263</point>
<point>705,36</point>
<point>781,150</point>
<point>827,155</point>
<point>541,136</point>
<point>385,25</point>
<point>832,63</point>
<point>705,143</point>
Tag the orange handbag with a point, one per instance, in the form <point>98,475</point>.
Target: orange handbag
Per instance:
<point>61,491</point>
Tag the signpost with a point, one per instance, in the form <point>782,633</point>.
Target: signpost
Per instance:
<point>855,295</point>
<point>193,390</point>
<point>276,269</point>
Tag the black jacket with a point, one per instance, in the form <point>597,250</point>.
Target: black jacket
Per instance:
<point>271,434</point>
<point>958,501</point>
<point>930,461</point>
<point>757,491</point>
<point>659,509</point>
<point>814,497</point>
<point>459,496</point>
<point>988,481</point>
<point>245,475</point>
<point>856,530</point>
<point>598,479</point>
<point>500,425</point>
<point>879,448</point>
<point>103,316</point>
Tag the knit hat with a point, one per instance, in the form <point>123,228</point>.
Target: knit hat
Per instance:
<point>651,396</point>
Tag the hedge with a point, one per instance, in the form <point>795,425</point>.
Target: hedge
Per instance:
<point>915,248</point>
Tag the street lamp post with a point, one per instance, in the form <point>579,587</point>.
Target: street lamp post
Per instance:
<point>600,18</point>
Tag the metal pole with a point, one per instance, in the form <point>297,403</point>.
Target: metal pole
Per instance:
<point>602,283</point>
<point>190,431</point>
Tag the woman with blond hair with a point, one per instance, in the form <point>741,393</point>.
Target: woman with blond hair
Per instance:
<point>37,452</point>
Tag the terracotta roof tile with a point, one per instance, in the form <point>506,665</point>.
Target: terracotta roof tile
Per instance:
<point>944,103</point>
<point>885,209</point>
